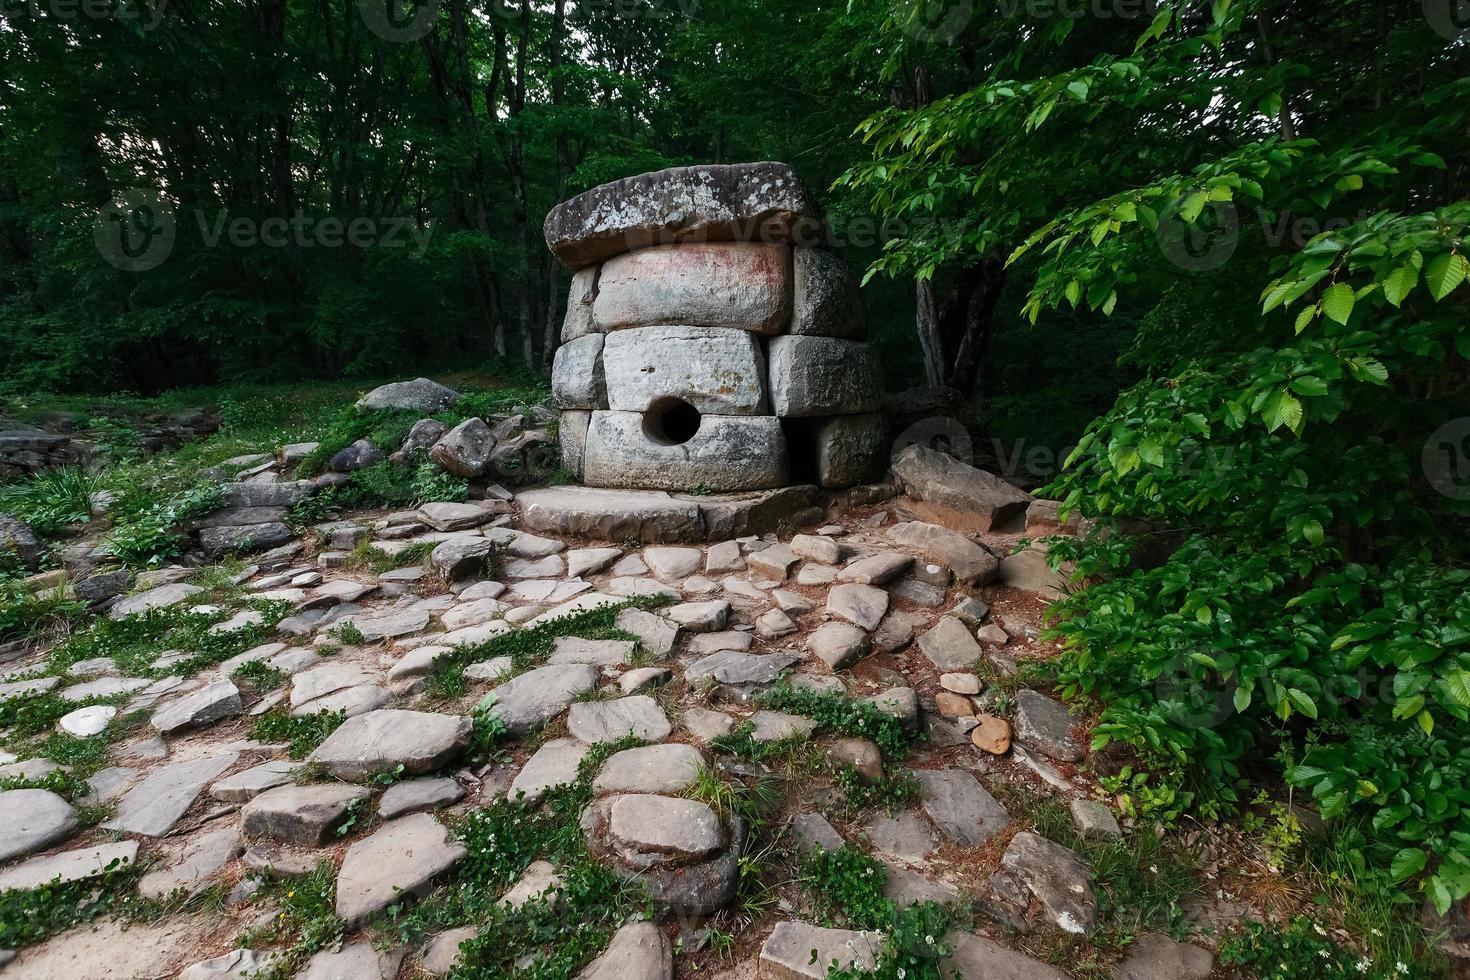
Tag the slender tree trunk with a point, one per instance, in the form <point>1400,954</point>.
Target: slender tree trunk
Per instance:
<point>558,101</point>
<point>516,167</point>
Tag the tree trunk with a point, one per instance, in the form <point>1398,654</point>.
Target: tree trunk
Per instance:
<point>558,99</point>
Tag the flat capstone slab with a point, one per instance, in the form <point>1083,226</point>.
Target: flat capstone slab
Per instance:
<point>527,702</point>
<point>607,721</point>
<point>382,741</point>
<point>658,769</point>
<point>31,819</point>
<point>662,825</point>
<point>302,815</point>
<point>764,202</point>
<point>658,517</point>
<point>404,858</point>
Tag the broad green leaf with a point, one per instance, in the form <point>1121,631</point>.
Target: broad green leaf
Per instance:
<point>1407,863</point>
<point>1302,702</point>
<point>1337,302</point>
<point>1445,272</point>
<point>1400,283</point>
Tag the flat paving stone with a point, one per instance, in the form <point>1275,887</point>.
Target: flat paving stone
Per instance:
<point>553,765</point>
<point>975,957</point>
<point>1045,726</point>
<point>211,703</point>
<point>103,687</point>
<point>405,857</point>
<point>162,597</point>
<point>876,569</point>
<point>31,819</point>
<point>797,951</point>
<point>662,769</point>
<point>527,702</point>
<point>960,807</point>
<point>200,862</point>
<point>352,702</point>
<point>155,804</point>
<point>904,835</point>
<point>607,721</point>
<point>358,961</point>
<point>601,653</point>
<point>325,679</point>
<point>838,645</point>
<point>79,865</point>
<point>305,816</point>
<point>655,634</point>
<point>245,786</point>
<point>637,951</point>
<point>949,646</point>
<point>861,605</point>
<point>663,825</point>
<point>417,795</point>
<point>392,741</point>
<point>590,561</point>
<point>775,726</point>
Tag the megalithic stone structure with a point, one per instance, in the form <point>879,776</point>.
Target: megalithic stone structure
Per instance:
<point>710,342</point>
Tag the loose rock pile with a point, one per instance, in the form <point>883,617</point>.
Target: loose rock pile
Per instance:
<point>705,346</point>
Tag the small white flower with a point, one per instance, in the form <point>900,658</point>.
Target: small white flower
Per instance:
<point>1154,868</point>
<point>1323,953</point>
<point>1364,964</point>
<point>929,940</point>
<point>1401,967</point>
<point>1318,929</point>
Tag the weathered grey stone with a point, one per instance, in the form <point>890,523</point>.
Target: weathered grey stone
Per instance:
<point>792,602</point>
<point>876,569</point>
<point>608,721</point>
<point>352,701</point>
<point>718,372</point>
<point>764,202</point>
<point>242,516</point>
<point>302,815</point>
<point>1095,821</point>
<point>1156,957</point>
<point>454,517</point>
<point>1045,726</point>
<point>827,300</point>
<point>664,828</point>
<point>358,961</point>
<point>817,548</point>
<point>849,449</point>
<point>31,819</point>
<point>553,765</point>
<point>539,882</point>
<point>967,684</point>
<point>949,645</point>
<point>638,951</point>
<point>155,804</point>
<point>601,653</point>
<point>919,593</point>
<point>419,395</point>
<point>859,753</point>
<point>611,515</point>
<point>707,643</point>
<point>577,375</point>
<point>774,562</point>
<point>673,564</point>
<point>700,617</point>
<point>655,634</point>
<point>970,562</point>
<point>415,795</point>
<point>817,376</point>
<point>797,951</point>
<point>572,437</point>
<point>201,860</point>
<point>17,536</point>
<point>978,958</point>
<point>324,679</point>
<point>589,561</point>
<point>579,320</point>
<point>838,645</point>
<point>465,449</point>
<point>461,557</point>
<point>903,835</point>
<point>861,605</point>
<point>442,954</point>
<point>904,888</point>
<point>813,832</point>
<point>956,494</point>
<point>526,703</point>
<point>288,493</point>
<point>898,702</point>
<point>970,611</point>
<point>776,726</point>
<point>402,859</point>
<point>1029,572</point>
<point>740,670</point>
<point>744,286</point>
<point>421,438</point>
<point>383,741</point>
<point>660,769</point>
<point>727,453</point>
<point>101,587</point>
<point>359,456</point>
<point>17,690</point>
<point>1036,870</point>
<point>960,807</point>
<point>90,862</point>
<point>237,964</point>
<point>246,786</point>
<point>252,537</point>
<point>205,706</point>
<point>160,598</point>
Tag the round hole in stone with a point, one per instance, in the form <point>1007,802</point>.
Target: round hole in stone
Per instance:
<point>671,421</point>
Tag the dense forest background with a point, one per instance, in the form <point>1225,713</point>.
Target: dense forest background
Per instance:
<point>256,135</point>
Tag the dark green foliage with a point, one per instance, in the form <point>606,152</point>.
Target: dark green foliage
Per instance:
<point>52,500</point>
<point>303,733</point>
<point>23,612</point>
<point>258,675</point>
<point>136,642</point>
<point>1300,951</point>
<point>148,535</point>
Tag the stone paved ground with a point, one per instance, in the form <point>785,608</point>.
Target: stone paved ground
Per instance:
<point>865,608</point>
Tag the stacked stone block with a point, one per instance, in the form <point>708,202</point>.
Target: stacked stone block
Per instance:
<point>706,345</point>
